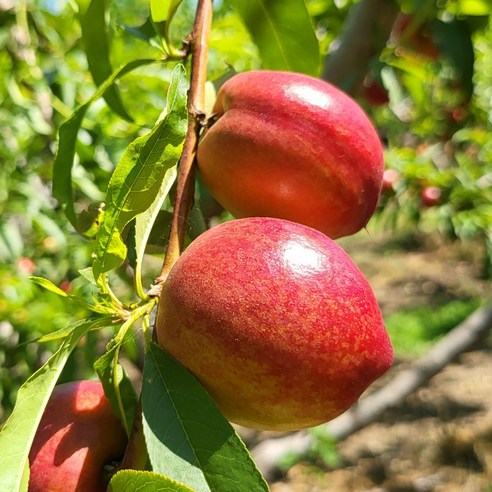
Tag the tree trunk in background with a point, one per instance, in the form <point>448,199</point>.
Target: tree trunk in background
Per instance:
<point>364,35</point>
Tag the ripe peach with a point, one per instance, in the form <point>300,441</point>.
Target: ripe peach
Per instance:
<point>78,435</point>
<point>373,92</point>
<point>431,196</point>
<point>276,322</point>
<point>390,179</point>
<point>291,146</point>
<point>26,265</point>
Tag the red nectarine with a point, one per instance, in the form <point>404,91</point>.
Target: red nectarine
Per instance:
<point>276,322</point>
<point>78,435</point>
<point>390,179</point>
<point>431,196</point>
<point>295,147</point>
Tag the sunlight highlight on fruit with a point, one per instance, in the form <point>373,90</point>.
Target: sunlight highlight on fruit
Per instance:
<point>301,258</point>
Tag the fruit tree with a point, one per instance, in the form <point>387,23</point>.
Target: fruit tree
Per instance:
<point>176,174</point>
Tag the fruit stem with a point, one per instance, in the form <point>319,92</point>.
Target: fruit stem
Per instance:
<point>198,42</point>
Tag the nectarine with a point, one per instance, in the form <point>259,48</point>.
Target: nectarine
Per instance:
<point>295,147</point>
<point>390,179</point>
<point>78,435</point>
<point>431,196</point>
<point>276,322</point>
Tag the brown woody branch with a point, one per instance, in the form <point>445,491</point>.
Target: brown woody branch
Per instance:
<point>198,43</point>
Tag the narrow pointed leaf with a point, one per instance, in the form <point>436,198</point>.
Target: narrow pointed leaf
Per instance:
<point>18,432</point>
<point>144,224</point>
<point>455,41</point>
<point>62,333</point>
<point>117,386</point>
<point>145,32</point>
<point>96,44</point>
<point>138,177</point>
<point>55,335</point>
<point>283,32</point>
<point>48,285</point>
<point>67,139</point>
<point>187,437</point>
<point>144,481</point>
<point>163,10</point>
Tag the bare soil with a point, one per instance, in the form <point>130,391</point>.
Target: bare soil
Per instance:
<point>440,438</point>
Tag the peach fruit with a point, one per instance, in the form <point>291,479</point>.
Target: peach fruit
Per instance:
<point>431,196</point>
<point>77,437</point>
<point>276,321</point>
<point>295,147</point>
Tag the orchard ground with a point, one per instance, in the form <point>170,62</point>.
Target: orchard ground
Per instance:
<point>440,438</point>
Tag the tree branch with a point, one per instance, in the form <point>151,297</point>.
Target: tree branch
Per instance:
<point>462,338</point>
<point>364,35</point>
<point>198,42</point>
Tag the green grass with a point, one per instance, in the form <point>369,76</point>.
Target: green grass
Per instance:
<point>413,331</point>
<point>323,451</point>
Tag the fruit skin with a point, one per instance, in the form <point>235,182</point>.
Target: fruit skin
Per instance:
<point>295,147</point>
<point>373,92</point>
<point>26,265</point>
<point>276,321</point>
<point>431,196</point>
<point>77,436</point>
<point>390,180</point>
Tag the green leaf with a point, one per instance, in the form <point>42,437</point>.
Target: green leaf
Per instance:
<point>96,43</point>
<point>12,240</point>
<point>18,432</point>
<point>138,178</point>
<point>107,320</point>
<point>144,481</point>
<point>145,32</point>
<point>163,10</point>
<point>455,42</point>
<point>283,32</point>
<point>25,478</point>
<point>469,7</point>
<point>48,285</point>
<point>117,386</point>
<point>159,235</point>
<point>67,139</point>
<point>187,437</point>
<point>144,224</point>
<point>161,13</point>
